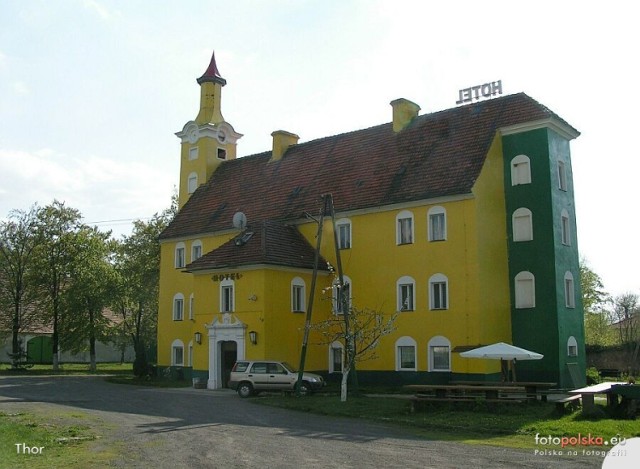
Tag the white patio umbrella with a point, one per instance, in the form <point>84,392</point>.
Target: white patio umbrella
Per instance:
<point>501,351</point>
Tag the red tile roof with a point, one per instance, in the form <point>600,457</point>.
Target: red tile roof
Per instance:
<point>438,154</point>
<point>267,243</point>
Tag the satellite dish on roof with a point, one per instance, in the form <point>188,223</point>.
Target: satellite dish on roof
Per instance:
<point>239,220</point>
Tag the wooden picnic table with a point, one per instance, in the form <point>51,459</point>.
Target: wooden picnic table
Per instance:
<point>589,392</point>
<point>446,391</point>
<point>531,388</point>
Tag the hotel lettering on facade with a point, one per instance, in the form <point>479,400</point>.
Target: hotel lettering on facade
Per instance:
<point>463,220</point>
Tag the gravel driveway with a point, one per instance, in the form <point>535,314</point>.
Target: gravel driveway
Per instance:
<point>190,428</point>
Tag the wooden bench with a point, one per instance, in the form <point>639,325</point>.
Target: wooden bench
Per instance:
<point>571,400</point>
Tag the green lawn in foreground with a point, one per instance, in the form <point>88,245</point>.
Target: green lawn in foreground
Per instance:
<point>512,425</point>
<point>68,368</point>
<point>67,441</point>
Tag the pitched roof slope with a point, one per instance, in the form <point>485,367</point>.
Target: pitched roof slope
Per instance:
<point>270,243</point>
<point>438,154</point>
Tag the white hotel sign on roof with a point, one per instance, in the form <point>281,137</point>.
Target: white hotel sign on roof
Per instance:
<point>487,90</point>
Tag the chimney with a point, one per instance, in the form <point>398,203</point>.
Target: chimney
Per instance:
<point>404,111</point>
<point>281,141</point>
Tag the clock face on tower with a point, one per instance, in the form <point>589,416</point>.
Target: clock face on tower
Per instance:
<point>221,136</point>
<point>193,136</point>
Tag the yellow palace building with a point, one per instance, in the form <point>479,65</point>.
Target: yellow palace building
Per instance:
<point>462,221</point>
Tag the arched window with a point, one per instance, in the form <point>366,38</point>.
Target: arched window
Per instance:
<point>178,307</point>
<point>572,347</point>
<point>520,170</point>
<point>404,227</point>
<point>437,217</point>
<point>192,182</point>
<point>525,288</point>
<point>569,290</point>
<point>406,354</point>
<point>336,357</point>
<point>566,228</point>
<point>342,295</point>
<point>179,258</point>
<point>227,296</point>
<point>438,292</point>
<point>439,351</point>
<point>405,289</point>
<point>196,250</point>
<point>522,222</point>
<point>343,226</point>
<point>297,295</point>
<point>177,353</point>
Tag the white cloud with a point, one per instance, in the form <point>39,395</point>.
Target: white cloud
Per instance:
<point>20,88</point>
<point>100,188</point>
<point>99,8</point>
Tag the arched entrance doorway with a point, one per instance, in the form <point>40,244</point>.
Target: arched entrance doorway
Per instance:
<point>226,345</point>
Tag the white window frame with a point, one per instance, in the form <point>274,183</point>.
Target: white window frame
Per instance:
<point>193,153</point>
<point>227,285</point>
<point>562,176</point>
<point>407,284</point>
<point>435,282</point>
<point>192,182</point>
<point>178,307</point>
<point>179,256</point>
<point>404,234</point>
<point>438,341</point>
<point>175,346</point>
<point>344,228</point>
<point>333,348</point>
<point>437,213</point>
<point>190,354</point>
<point>298,292</point>
<point>565,227</point>
<point>522,225</point>
<point>337,309</point>
<point>520,170</point>
<point>191,306</point>
<point>196,250</point>
<point>525,290</point>
<point>405,341</point>
<point>572,347</point>
<point>569,290</point>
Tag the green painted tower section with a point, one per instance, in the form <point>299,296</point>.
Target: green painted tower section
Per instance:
<point>554,324</point>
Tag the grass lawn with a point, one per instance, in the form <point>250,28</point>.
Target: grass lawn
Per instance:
<point>59,439</point>
<point>68,369</point>
<point>508,424</point>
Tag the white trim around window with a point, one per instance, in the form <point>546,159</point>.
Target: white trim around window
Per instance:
<point>438,291</point>
<point>439,354</point>
<point>572,347</point>
<point>525,290</point>
<point>179,257</point>
<point>406,294</point>
<point>192,305</point>
<point>437,223</point>
<point>404,228</point>
<point>177,353</point>
<point>337,306</point>
<point>569,290</point>
<point>298,292</point>
<point>562,176</point>
<point>522,225</point>
<point>227,296</point>
<point>178,307</point>
<point>196,250</point>
<point>406,354</point>
<point>192,182</point>
<point>343,227</point>
<point>565,226</point>
<point>520,170</point>
<point>336,357</point>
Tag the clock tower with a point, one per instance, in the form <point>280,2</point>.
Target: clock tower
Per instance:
<point>207,141</point>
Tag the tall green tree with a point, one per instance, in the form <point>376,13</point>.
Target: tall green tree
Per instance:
<point>90,291</point>
<point>137,265</point>
<point>596,301</point>
<point>18,240</point>
<point>57,226</point>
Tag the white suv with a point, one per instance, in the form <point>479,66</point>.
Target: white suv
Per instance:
<point>248,377</point>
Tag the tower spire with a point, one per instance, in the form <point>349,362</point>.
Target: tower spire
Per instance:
<point>212,74</point>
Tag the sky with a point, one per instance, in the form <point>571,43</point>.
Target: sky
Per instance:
<point>93,91</point>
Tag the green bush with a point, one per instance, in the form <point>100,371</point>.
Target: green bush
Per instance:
<point>593,376</point>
